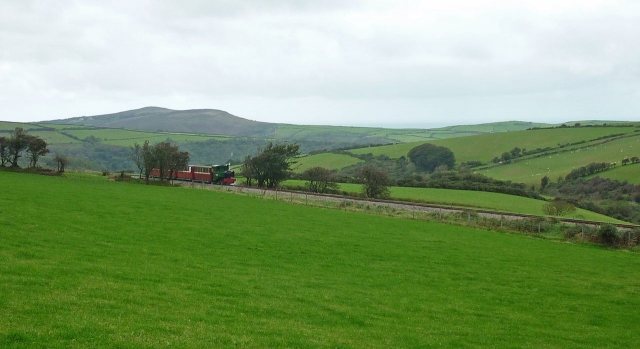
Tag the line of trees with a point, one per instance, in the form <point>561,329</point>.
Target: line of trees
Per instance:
<point>164,156</point>
<point>18,144</point>
<point>587,170</point>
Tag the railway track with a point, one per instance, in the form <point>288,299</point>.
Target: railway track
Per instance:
<point>410,206</point>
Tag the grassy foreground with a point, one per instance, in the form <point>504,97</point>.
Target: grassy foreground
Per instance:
<point>89,263</point>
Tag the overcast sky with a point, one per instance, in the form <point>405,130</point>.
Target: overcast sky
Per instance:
<point>388,63</point>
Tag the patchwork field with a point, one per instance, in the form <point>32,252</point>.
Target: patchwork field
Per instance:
<point>530,171</point>
<point>91,263</point>
<point>487,146</point>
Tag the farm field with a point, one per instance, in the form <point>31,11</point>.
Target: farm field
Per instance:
<point>530,171</point>
<point>629,173</point>
<point>10,126</point>
<point>327,160</point>
<point>116,265</point>
<point>473,199</point>
<point>487,146</point>
<point>119,137</point>
<point>347,133</point>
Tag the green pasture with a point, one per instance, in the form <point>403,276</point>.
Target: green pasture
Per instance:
<point>531,171</point>
<point>54,137</point>
<point>473,199</point>
<point>62,127</point>
<point>629,173</point>
<point>10,126</point>
<point>122,137</point>
<point>327,160</point>
<point>348,133</point>
<point>485,147</point>
<point>90,263</point>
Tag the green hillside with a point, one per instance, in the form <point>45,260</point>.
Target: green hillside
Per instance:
<point>487,146</point>
<point>208,121</point>
<point>629,173</point>
<point>211,121</point>
<point>565,149</point>
<point>530,171</point>
<point>327,160</point>
<point>107,264</point>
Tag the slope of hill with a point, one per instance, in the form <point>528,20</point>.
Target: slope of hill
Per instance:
<point>211,121</point>
<point>201,121</point>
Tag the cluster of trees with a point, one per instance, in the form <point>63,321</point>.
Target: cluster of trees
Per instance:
<point>587,170</point>
<point>428,157</point>
<point>320,179</point>
<point>271,166</point>
<point>507,156</point>
<point>468,181</point>
<point>609,197</point>
<point>164,156</point>
<point>633,160</point>
<point>19,143</point>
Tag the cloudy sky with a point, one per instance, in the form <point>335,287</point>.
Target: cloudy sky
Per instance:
<point>388,63</point>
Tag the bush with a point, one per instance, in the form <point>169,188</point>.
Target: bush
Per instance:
<point>608,234</point>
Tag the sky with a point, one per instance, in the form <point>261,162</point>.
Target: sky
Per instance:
<point>401,63</point>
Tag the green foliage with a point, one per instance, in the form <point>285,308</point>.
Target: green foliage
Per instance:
<point>272,165</point>
<point>428,157</point>
<point>18,143</point>
<point>559,208</point>
<point>544,182</point>
<point>320,179</point>
<point>375,182</point>
<point>608,234</point>
<point>469,181</point>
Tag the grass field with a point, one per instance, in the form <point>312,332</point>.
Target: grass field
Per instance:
<point>91,263</point>
<point>629,173</point>
<point>474,199</point>
<point>327,160</point>
<point>560,164</point>
<point>10,126</point>
<point>487,146</point>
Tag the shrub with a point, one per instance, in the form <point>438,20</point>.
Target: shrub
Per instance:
<point>608,234</point>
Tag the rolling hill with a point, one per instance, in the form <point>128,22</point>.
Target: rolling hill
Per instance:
<point>199,121</point>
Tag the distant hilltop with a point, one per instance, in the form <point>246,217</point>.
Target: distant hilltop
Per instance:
<point>207,121</point>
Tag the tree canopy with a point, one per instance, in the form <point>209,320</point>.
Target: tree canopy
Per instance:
<point>164,156</point>
<point>428,157</point>
<point>375,182</point>
<point>319,179</point>
<point>272,165</point>
<point>19,142</point>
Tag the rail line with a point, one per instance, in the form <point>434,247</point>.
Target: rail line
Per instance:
<point>414,206</point>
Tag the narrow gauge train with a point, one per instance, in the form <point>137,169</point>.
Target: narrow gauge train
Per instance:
<point>216,174</point>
